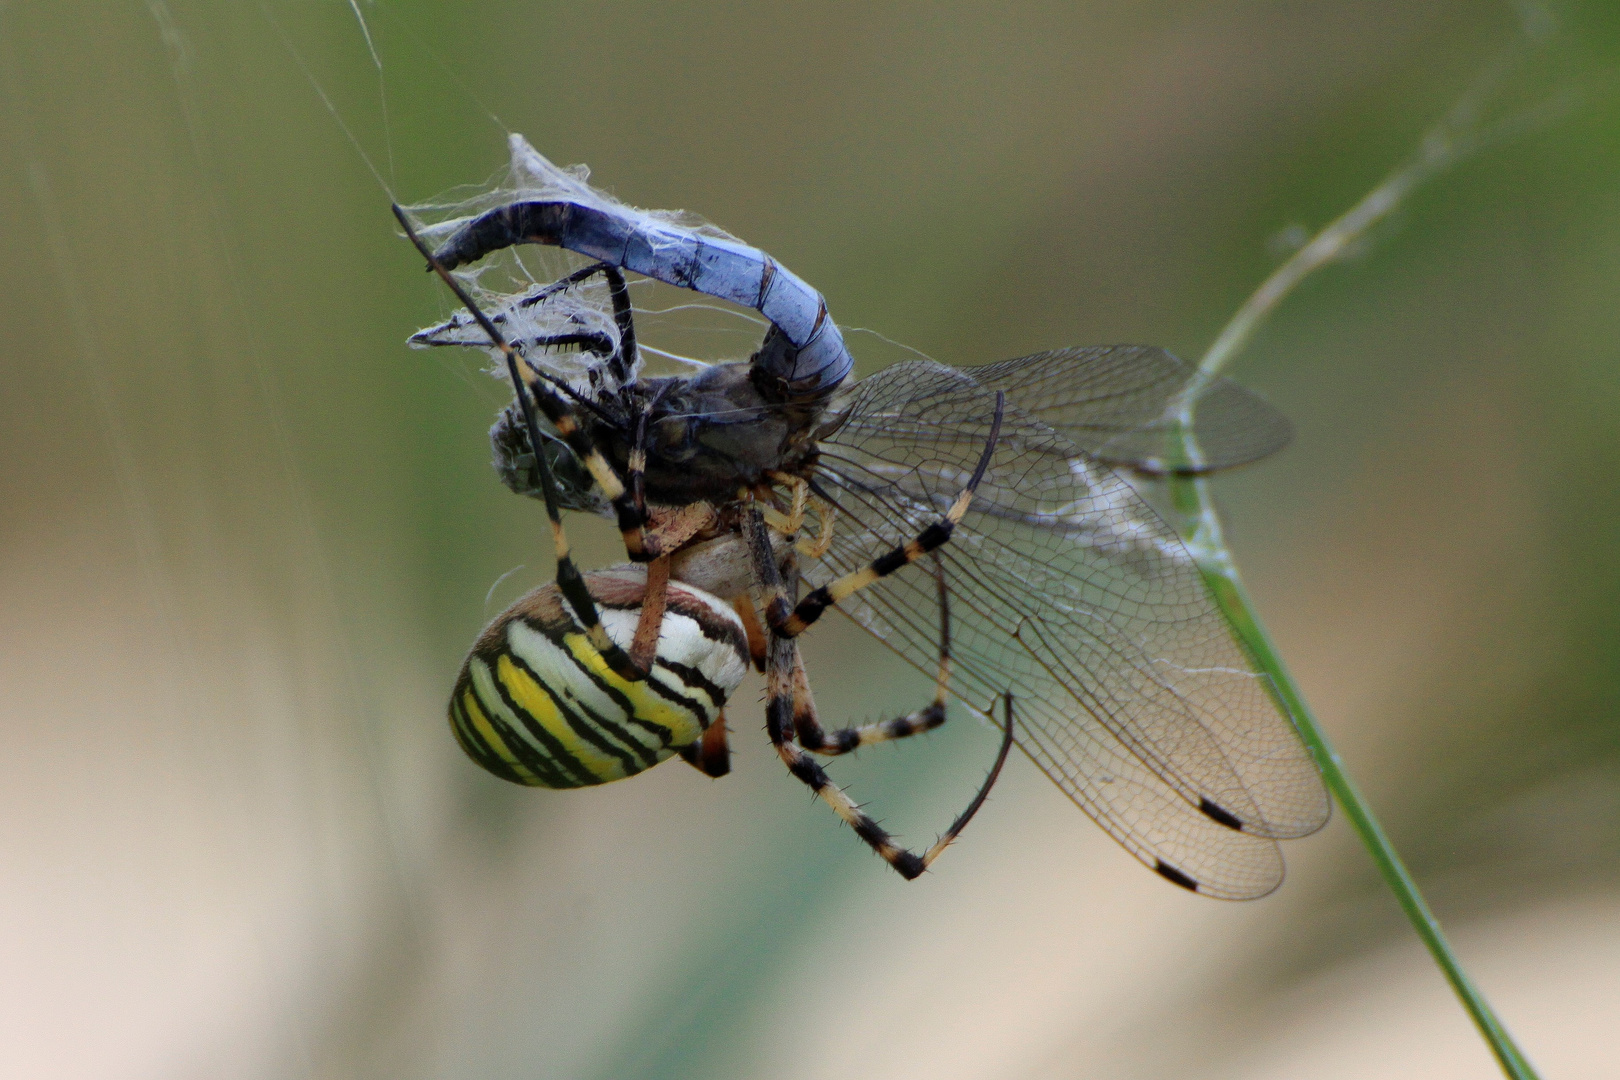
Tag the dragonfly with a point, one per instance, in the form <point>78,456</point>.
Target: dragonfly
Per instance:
<point>984,522</point>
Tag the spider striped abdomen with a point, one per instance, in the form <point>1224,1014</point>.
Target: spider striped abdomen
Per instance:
<point>538,705</point>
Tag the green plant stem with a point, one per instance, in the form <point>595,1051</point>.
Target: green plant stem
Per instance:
<point>1456,136</point>
<point>1221,575</point>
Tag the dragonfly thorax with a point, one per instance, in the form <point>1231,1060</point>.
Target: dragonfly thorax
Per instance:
<point>707,436</point>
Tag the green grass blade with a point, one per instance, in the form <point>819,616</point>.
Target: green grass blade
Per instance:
<point>1221,575</point>
<point>1458,135</point>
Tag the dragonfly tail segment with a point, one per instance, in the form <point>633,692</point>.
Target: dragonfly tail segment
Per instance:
<point>804,354</point>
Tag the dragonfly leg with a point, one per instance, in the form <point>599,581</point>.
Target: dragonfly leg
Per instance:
<point>793,621</point>
<point>621,358</point>
<point>791,522</point>
<point>825,516</point>
<point>845,739</point>
<point>595,344</point>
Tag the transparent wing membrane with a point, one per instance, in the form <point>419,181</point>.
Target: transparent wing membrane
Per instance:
<point>1068,590</point>
<point>1116,402</point>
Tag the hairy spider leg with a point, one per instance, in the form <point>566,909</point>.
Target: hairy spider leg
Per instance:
<point>632,518</point>
<point>569,580</point>
<point>644,646</point>
<point>744,607</point>
<point>842,740</point>
<point>791,621</point>
<point>781,682</point>
<point>710,755</point>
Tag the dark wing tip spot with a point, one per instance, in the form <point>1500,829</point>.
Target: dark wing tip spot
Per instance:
<point>1170,873</point>
<point>1219,813</point>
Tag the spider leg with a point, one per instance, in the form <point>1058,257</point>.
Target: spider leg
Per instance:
<point>631,514</point>
<point>557,411</point>
<point>792,621</point>
<point>743,604</point>
<point>644,646</point>
<point>529,394</point>
<point>780,710</point>
<point>633,518</point>
<point>842,740</point>
<point>710,755</point>
<point>637,472</point>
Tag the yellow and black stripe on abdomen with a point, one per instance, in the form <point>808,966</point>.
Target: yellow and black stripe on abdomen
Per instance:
<point>546,731</point>
<point>491,743</point>
<point>561,742</point>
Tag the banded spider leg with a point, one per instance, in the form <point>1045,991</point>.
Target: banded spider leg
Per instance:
<point>813,737</point>
<point>631,511</point>
<point>789,712</point>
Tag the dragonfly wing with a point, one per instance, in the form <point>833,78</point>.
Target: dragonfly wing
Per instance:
<point>1114,402</point>
<point>1068,591</point>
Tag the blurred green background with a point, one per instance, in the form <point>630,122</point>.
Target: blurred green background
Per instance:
<point>246,535</point>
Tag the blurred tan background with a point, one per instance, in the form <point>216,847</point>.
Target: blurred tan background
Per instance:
<point>246,535</point>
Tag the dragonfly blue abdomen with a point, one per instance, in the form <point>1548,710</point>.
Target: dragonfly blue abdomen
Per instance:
<point>812,368</point>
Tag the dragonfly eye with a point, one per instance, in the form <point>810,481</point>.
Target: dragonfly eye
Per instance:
<point>515,463</point>
<point>674,437</point>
